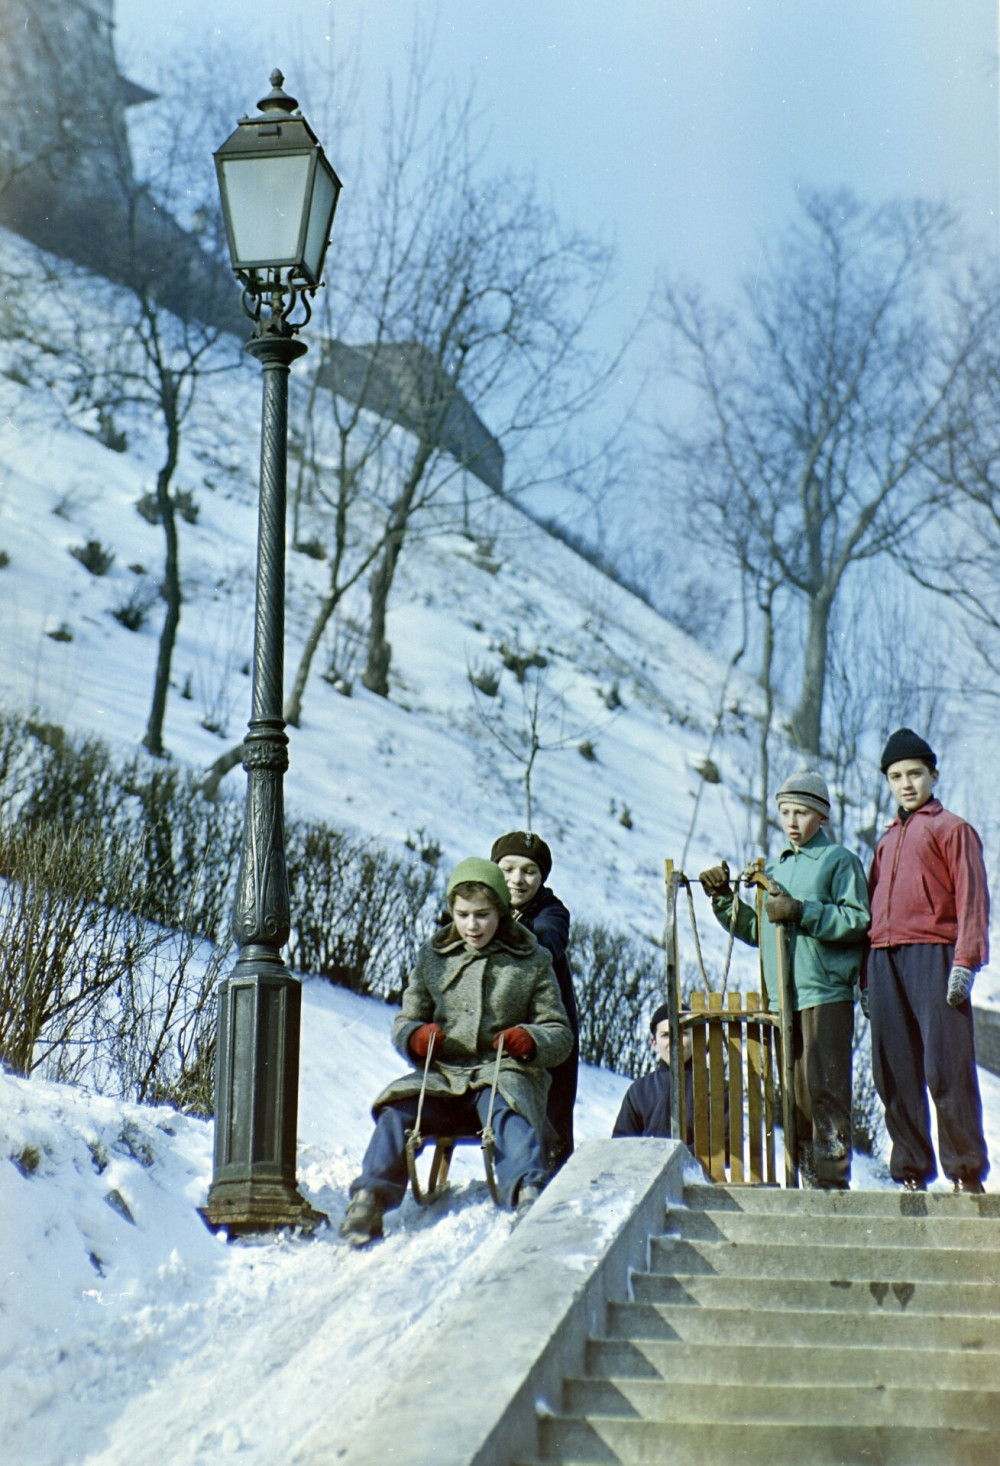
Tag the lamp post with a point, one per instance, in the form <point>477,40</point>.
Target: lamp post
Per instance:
<point>279,194</point>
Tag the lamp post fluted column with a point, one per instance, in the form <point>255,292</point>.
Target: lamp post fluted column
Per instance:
<point>278,195</point>
<point>257,1057</point>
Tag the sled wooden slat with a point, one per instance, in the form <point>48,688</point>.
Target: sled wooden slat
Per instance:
<point>716,1091</point>
<point>755,1095</point>
<point>699,1049</point>
<point>735,1056</point>
<point>769,1051</point>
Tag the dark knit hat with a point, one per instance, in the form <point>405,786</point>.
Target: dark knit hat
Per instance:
<point>904,743</point>
<point>662,1015</point>
<point>530,847</point>
<point>808,788</point>
<point>484,873</point>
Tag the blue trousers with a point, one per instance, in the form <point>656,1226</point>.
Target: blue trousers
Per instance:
<point>921,1045</point>
<point>518,1158</point>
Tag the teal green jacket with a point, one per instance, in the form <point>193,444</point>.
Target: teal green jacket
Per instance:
<point>829,940</point>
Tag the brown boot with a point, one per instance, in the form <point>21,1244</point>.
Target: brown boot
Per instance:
<point>363,1219</point>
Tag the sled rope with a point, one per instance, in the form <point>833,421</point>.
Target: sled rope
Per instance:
<point>423,1086</point>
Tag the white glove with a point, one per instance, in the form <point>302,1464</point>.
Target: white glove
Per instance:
<point>960,983</point>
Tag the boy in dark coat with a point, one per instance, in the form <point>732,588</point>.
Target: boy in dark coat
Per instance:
<point>929,936</point>
<point>645,1110</point>
<point>526,861</point>
<point>479,979</point>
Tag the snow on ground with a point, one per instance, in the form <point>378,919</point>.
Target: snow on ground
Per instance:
<point>125,1322</point>
<point>130,1333</point>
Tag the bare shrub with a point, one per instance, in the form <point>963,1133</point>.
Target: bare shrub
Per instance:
<point>358,912</point>
<point>93,557</point>
<point>70,934</point>
<point>618,982</point>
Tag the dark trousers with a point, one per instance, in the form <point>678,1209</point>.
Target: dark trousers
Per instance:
<point>822,1087</point>
<point>518,1156</point>
<point>559,1110</point>
<point>921,1045</point>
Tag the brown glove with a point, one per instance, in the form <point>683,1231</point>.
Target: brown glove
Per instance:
<point>715,880</point>
<point>783,908</point>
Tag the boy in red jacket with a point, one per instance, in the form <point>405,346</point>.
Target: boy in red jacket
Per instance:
<point>929,936</point>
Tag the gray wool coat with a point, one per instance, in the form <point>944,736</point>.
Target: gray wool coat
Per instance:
<point>474,996</point>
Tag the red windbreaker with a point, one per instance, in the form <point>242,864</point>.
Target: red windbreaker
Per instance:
<point>928,885</point>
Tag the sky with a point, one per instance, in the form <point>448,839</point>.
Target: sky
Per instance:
<point>680,129</point>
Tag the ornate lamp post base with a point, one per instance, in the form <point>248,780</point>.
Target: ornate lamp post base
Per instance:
<point>242,1207</point>
<point>254,1187</point>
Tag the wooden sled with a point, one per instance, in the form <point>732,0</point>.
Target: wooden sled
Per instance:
<point>444,1148</point>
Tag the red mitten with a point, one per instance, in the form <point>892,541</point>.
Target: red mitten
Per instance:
<point>420,1041</point>
<point>517,1042</point>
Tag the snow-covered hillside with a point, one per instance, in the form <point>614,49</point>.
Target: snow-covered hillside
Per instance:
<point>419,761</point>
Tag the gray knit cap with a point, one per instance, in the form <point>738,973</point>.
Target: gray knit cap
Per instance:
<point>808,788</point>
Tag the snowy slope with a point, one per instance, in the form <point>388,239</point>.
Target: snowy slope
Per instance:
<point>126,1322</point>
<point>140,1336</point>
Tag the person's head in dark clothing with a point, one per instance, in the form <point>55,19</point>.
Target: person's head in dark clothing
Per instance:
<point>910,765</point>
<point>659,1027</point>
<point>525,860</point>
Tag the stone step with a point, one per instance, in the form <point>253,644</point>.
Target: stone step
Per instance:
<point>606,1439</point>
<point>841,1295</point>
<point>800,1326</point>
<point>895,1203</point>
<point>837,1229</point>
<point>718,1363</point>
<point>819,1404</point>
<point>805,1259</point>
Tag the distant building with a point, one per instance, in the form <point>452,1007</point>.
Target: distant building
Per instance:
<point>67,184</point>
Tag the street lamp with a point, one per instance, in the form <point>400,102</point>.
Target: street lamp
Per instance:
<point>279,194</point>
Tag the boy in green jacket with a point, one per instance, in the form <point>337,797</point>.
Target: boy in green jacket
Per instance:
<point>824,901</point>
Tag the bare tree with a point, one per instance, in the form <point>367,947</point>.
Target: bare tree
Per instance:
<point>164,353</point>
<point>822,408</point>
<point>958,557</point>
<point>474,304</point>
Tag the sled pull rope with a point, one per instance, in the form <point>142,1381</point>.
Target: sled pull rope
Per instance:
<point>683,880</point>
<point>423,1087</point>
<point>493,1090</point>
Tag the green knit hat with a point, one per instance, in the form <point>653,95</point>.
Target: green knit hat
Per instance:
<point>473,868</point>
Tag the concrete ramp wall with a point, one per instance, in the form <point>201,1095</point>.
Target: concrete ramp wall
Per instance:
<point>470,1397</point>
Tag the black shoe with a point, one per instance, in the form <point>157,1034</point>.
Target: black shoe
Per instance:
<point>968,1186</point>
<point>363,1219</point>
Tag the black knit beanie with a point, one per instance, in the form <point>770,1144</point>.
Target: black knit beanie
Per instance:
<point>530,847</point>
<point>904,743</point>
<point>662,1015</point>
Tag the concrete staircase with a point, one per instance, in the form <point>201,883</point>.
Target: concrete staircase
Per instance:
<point>806,1327</point>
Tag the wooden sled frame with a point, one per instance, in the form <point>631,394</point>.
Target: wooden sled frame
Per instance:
<point>444,1149</point>
<point>437,1183</point>
<point>727,1026</point>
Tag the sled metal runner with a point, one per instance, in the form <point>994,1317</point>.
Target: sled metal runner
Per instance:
<point>735,1037</point>
<point>444,1145</point>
